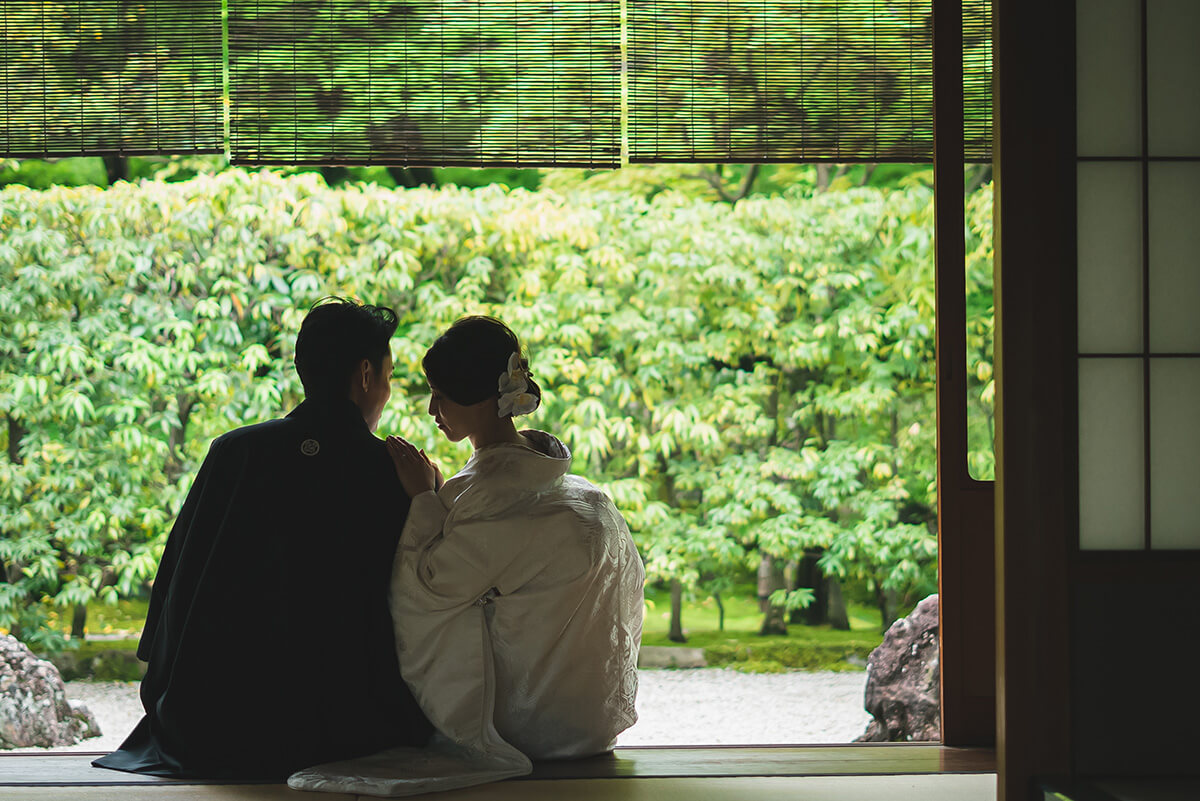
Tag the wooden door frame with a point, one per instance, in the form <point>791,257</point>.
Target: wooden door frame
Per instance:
<point>966,545</point>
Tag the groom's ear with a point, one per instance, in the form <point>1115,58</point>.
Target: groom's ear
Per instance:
<point>365,370</point>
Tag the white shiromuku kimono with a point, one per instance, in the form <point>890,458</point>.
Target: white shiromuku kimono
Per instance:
<point>517,598</point>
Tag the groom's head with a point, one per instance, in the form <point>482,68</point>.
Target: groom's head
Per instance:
<point>342,353</point>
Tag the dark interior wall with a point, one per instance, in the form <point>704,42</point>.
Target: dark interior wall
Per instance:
<point>1136,676</point>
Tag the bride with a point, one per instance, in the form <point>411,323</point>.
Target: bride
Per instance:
<point>516,590</point>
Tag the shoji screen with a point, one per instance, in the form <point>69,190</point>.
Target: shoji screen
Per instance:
<point>1138,146</point>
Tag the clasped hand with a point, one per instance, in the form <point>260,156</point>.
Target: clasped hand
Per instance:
<point>416,471</point>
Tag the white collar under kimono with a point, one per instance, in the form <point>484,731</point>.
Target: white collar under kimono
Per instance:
<point>499,476</point>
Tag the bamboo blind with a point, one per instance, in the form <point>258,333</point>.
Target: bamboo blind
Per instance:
<point>94,77</point>
<point>485,82</point>
<point>795,80</point>
<point>977,80</point>
<point>425,82</point>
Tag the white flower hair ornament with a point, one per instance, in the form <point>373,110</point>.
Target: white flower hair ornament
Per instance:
<point>515,397</point>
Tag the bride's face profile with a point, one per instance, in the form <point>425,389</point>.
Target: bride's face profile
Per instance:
<point>458,422</point>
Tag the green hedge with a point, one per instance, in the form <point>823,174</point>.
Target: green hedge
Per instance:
<point>743,380</point>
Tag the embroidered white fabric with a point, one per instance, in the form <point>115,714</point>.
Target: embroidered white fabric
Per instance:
<point>517,601</point>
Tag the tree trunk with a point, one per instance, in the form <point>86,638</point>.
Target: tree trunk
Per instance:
<point>807,573</point>
<point>116,168</point>
<point>177,437</point>
<point>980,175</point>
<point>16,432</point>
<point>887,601</point>
<point>716,179</point>
<point>810,575</point>
<point>770,579</point>
<point>334,175</point>
<point>720,611</point>
<point>824,172</point>
<point>676,632</point>
<point>838,617</point>
<point>410,177</point>
<point>818,610</point>
<point>793,579</point>
<point>79,622</point>
<point>10,572</point>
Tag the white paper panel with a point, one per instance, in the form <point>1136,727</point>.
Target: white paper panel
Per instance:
<point>1111,455</point>
<point>1175,453</point>
<point>1108,101</point>
<point>1110,257</point>
<point>1173,77</point>
<point>1175,257</point>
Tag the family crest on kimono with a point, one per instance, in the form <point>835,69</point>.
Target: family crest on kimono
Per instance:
<point>517,592</point>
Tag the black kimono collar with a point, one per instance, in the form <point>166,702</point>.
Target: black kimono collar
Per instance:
<point>339,413</point>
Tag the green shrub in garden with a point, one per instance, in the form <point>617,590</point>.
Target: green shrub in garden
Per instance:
<point>743,381</point>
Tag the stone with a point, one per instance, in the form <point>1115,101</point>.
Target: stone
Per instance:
<point>34,710</point>
<point>903,692</point>
<point>665,656</point>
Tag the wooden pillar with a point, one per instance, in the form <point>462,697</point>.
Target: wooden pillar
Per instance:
<point>1035,399</point>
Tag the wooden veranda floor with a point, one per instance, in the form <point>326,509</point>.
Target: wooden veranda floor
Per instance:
<point>865,772</point>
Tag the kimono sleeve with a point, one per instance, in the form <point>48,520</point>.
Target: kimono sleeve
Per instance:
<point>451,560</point>
<point>201,492</point>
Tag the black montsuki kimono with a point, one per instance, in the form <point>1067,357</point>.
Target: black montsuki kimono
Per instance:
<point>268,638</point>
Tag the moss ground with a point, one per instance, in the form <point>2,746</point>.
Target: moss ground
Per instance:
<point>740,646</point>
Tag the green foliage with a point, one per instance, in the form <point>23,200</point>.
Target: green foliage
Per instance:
<point>44,174</point>
<point>124,618</point>
<point>981,331</point>
<point>744,379</point>
<point>94,171</point>
<point>100,660</point>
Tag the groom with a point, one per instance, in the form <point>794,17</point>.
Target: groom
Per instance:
<point>268,638</point>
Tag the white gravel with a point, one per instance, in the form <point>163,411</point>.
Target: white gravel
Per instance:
<point>720,706</point>
<point>702,706</point>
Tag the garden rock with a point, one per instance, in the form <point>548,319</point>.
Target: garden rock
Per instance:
<point>903,680</point>
<point>34,710</point>
<point>662,656</point>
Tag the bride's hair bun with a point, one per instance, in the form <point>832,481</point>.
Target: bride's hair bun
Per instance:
<point>465,362</point>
